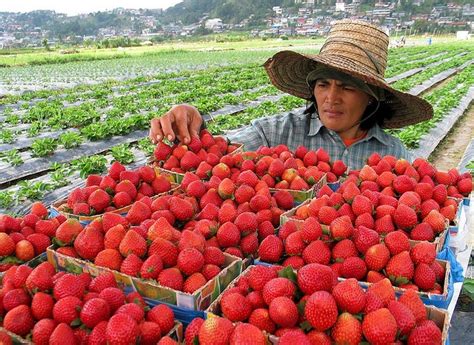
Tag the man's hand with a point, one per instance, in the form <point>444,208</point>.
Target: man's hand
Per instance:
<point>181,121</point>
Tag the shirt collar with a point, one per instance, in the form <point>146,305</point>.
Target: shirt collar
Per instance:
<point>376,132</point>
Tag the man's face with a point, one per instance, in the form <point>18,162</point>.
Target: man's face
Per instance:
<point>340,106</point>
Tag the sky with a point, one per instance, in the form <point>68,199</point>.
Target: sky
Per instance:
<point>74,7</point>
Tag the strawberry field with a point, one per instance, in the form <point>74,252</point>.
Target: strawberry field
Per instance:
<point>154,237</point>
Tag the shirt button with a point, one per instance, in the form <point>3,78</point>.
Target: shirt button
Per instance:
<point>345,153</point>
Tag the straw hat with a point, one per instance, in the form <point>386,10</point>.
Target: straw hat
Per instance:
<point>356,48</point>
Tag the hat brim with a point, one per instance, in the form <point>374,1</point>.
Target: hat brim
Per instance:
<point>288,71</point>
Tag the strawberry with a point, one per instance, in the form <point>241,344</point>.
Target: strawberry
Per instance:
<point>270,249</point>
<point>14,298</point>
<point>425,277</point>
<point>400,268</point>
<point>99,200</point>
<point>349,296</point>
<point>464,186</point>
<point>426,332</point>
<point>42,306</point>
<point>68,285</point>
<point>190,261</point>
<point>194,282</point>
<point>354,267</point>
<point>379,327</point>
<point>215,331</point>
<point>411,299</point>
<point>343,250</point>
<point>138,213</point>
<point>47,227</point>
<point>397,242</point>
<point>321,310</point>
<point>88,243</point>
<point>377,257</point>
<point>423,252</point>
<point>338,167</point>
<point>246,222</point>
<point>405,217</point>
<point>192,331</point>
<point>347,330</point>
<point>181,209</point>
<point>283,312</point>
<point>152,266</point>
<point>166,250</point>
<point>327,214</point>
<point>317,252</point>
<point>67,309</point>
<point>315,277</point>
<point>341,228</point>
<point>114,297</point>
<point>130,175</point>
<point>39,209</point>
<point>172,278</point>
<point>102,281</point>
<point>247,177</point>
<point>133,243</point>
<point>110,258</point>
<point>61,334</point>
<point>7,245</point>
<point>115,169</point>
<point>436,220</point>
<point>121,329</point>
<point>24,250</point>
<point>235,307</point>
<point>163,316</point>
<point>131,265</point>
<point>68,231</point>
<point>94,311</point>
<point>278,287</point>
<point>41,278</point>
<point>42,331</point>
<point>403,316</point>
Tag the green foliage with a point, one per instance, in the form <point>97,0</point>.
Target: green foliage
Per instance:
<point>122,154</point>
<point>12,156</point>
<point>44,147</point>
<point>70,139</point>
<point>7,136</point>
<point>90,165</point>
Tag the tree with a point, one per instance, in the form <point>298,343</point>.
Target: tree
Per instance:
<point>45,44</point>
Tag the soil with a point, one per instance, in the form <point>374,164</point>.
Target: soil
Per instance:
<point>449,152</point>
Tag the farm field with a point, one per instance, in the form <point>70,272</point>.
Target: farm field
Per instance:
<point>63,121</point>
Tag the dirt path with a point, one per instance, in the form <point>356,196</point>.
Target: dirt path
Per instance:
<point>449,152</point>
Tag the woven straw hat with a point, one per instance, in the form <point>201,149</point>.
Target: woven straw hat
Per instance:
<point>356,48</point>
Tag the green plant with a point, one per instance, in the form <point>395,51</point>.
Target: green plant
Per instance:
<point>44,147</point>
<point>7,136</point>
<point>146,146</point>
<point>31,191</point>
<point>13,157</point>
<point>70,139</point>
<point>6,198</point>
<point>90,165</point>
<point>122,154</point>
<point>35,129</point>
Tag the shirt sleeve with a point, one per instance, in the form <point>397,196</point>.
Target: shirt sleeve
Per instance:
<point>250,136</point>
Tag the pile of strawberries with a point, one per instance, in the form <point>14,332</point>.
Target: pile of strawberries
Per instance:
<point>312,307</point>
<point>23,238</point>
<point>63,308</point>
<point>200,155</point>
<point>118,189</point>
<point>154,250</point>
<point>277,166</point>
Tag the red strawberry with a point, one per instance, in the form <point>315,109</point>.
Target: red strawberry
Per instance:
<point>115,169</point>
<point>405,217</point>
<point>190,261</point>
<point>61,334</point>
<point>192,330</point>
<point>235,307</point>
<point>121,329</point>
<point>283,312</point>
<point>89,242</point>
<point>321,310</point>
<point>427,332</point>
<point>349,296</point>
<point>102,281</point>
<point>152,267</point>
<point>423,252</point>
<point>172,278</point>
<point>7,245</point>
<point>181,209</point>
<point>341,228</point>
<point>377,257</point>
<point>67,309</point>
<point>42,331</point>
<point>133,243</point>
<point>400,268</point>
<point>397,242</point>
<point>68,285</point>
<point>68,231</point>
<point>403,316</point>
<point>41,278</point>
<point>94,311</point>
<point>99,200</point>
<point>194,282</point>
<point>436,220</point>
<point>347,330</point>
<point>411,299</point>
<point>114,297</point>
<point>425,277</point>
<point>166,250</point>
<point>163,316</point>
<point>271,249</point>
<point>215,331</point>
<point>131,265</point>
<point>138,213</point>
<point>42,306</point>
<point>379,327</point>
<point>317,252</point>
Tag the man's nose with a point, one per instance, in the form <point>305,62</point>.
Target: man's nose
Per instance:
<point>333,93</point>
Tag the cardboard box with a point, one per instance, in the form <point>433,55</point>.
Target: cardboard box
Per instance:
<point>58,207</point>
<point>199,300</point>
<point>439,316</point>
<point>176,333</point>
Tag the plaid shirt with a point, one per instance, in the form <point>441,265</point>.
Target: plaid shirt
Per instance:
<point>296,129</point>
